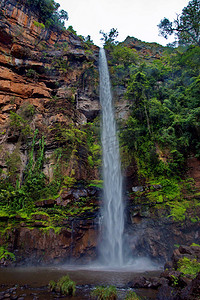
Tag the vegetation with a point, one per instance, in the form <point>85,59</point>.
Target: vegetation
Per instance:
<point>131,296</point>
<point>188,266</point>
<point>64,286</point>
<point>162,129</point>
<point>105,293</point>
<point>110,37</point>
<point>49,15</point>
<point>5,254</point>
<point>186,26</point>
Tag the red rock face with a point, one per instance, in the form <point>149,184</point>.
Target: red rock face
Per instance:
<point>38,66</point>
<point>48,72</point>
<point>35,246</point>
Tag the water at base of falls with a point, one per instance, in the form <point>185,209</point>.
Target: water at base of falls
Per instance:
<point>111,248</point>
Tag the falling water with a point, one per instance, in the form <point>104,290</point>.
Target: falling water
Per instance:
<point>111,248</point>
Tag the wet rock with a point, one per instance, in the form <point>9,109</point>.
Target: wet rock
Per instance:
<point>137,189</point>
<point>192,291</point>
<point>138,282</point>
<point>168,265</point>
<point>90,108</point>
<point>93,191</point>
<point>78,193</point>
<point>157,186</point>
<point>40,217</point>
<point>142,282</point>
<point>184,280</point>
<point>165,292</point>
<point>45,203</point>
<point>193,251</point>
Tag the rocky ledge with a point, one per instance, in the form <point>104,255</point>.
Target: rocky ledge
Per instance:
<point>181,278</point>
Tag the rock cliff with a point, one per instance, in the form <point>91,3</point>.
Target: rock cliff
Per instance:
<point>48,83</point>
<point>50,73</point>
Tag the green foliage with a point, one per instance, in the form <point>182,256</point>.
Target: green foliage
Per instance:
<point>52,285</point>
<point>109,38</point>
<point>186,26</point>
<point>48,13</point>
<point>96,183</point>
<point>194,244</point>
<point>105,293</point>
<point>132,296</point>
<point>32,74</point>
<point>188,266</point>
<point>88,42</point>
<point>71,29</point>
<point>13,163</point>
<point>18,123</point>
<point>178,210</point>
<point>5,254</point>
<point>16,196</point>
<point>60,63</point>
<point>69,181</point>
<point>124,56</point>
<point>175,280</point>
<point>40,25</point>
<point>64,286</point>
<point>163,125</point>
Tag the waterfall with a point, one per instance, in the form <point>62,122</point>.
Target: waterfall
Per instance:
<point>111,248</point>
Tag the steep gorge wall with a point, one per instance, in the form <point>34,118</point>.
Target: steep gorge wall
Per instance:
<point>51,71</point>
<point>48,83</point>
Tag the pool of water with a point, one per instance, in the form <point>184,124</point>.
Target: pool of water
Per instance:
<point>33,280</point>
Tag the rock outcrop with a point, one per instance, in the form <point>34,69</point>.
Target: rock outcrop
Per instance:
<point>174,283</point>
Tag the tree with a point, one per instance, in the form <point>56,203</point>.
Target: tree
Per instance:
<point>48,13</point>
<point>186,26</point>
<point>109,38</point>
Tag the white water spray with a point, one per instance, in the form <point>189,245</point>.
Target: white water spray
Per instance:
<point>111,248</point>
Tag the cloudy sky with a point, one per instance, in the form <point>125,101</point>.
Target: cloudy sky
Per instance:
<point>137,18</point>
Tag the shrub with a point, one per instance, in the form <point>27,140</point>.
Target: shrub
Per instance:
<point>131,296</point>
<point>64,286</point>
<point>105,293</point>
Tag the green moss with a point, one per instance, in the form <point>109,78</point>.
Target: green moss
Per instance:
<point>57,230</point>
<point>194,244</point>
<point>188,266</point>
<point>96,183</point>
<point>105,293</point>
<point>39,212</point>
<point>40,25</point>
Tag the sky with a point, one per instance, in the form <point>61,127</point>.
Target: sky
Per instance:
<point>135,18</point>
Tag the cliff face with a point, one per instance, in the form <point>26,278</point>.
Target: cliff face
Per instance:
<point>51,73</point>
<point>49,85</point>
